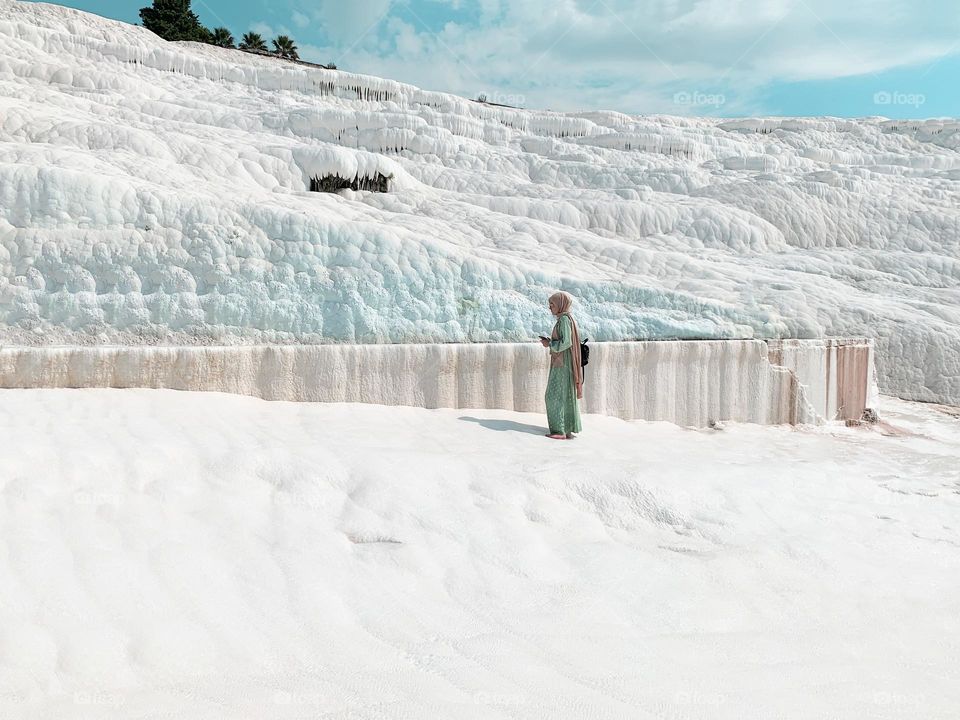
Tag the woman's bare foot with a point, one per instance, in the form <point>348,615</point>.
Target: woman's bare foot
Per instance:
<point>556,436</point>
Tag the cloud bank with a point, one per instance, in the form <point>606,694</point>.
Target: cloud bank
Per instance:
<point>636,57</point>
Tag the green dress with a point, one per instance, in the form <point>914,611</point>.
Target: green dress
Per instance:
<point>563,412</point>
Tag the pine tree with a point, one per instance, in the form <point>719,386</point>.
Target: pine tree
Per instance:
<point>173,20</point>
<point>221,37</point>
<point>253,41</point>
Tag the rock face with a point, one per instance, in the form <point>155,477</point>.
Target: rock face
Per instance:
<point>159,193</point>
<point>837,374</point>
<point>696,383</point>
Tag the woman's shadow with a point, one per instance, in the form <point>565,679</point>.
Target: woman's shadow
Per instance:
<point>504,425</point>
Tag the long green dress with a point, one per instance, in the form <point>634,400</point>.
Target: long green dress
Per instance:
<point>563,412</point>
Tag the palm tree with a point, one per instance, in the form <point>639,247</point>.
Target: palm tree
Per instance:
<point>285,47</point>
<point>253,41</point>
<point>221,37</point>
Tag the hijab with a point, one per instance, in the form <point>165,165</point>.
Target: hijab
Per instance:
<point>562,302</point>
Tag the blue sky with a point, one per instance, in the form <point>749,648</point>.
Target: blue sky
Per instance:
<point>686,57</point>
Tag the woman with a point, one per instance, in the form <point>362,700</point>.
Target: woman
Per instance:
<point>565,384</point>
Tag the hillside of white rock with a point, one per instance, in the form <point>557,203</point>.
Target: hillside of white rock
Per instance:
<point>204,556</point>
<point>160,192</point>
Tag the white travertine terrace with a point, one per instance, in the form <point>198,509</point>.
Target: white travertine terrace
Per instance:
<point>158,193</point>
<point>685,382</point>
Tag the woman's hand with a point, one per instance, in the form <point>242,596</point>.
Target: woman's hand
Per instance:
<point>544,342</point>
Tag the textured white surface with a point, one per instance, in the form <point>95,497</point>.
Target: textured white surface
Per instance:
<point>838,376</point>
<point>155,192</point>
<point>685,382</point>
<point>209,557</point>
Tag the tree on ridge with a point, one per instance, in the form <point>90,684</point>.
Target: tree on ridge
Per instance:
<point>284,47</point>
<point>221,37</point>
<point>173,20</point>
<point>253,41</point>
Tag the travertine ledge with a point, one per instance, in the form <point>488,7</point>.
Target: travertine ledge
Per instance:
<point>692,382</point>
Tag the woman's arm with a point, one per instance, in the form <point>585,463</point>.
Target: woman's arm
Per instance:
<point>566,339</point>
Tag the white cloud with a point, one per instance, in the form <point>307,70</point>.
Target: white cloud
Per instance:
<point>263,29</point>
<point>632,56</point>
<point>489,11</point>
<point>299,19</point>
<point>408,42</point>
<point>269,31</point>
<point>347,23</point>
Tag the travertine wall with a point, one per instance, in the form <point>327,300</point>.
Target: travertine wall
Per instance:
<point>686,382</point>
<point>837,373</point>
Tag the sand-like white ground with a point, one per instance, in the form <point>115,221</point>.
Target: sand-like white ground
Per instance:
<point>189,555</point>
<point>154,191</point>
